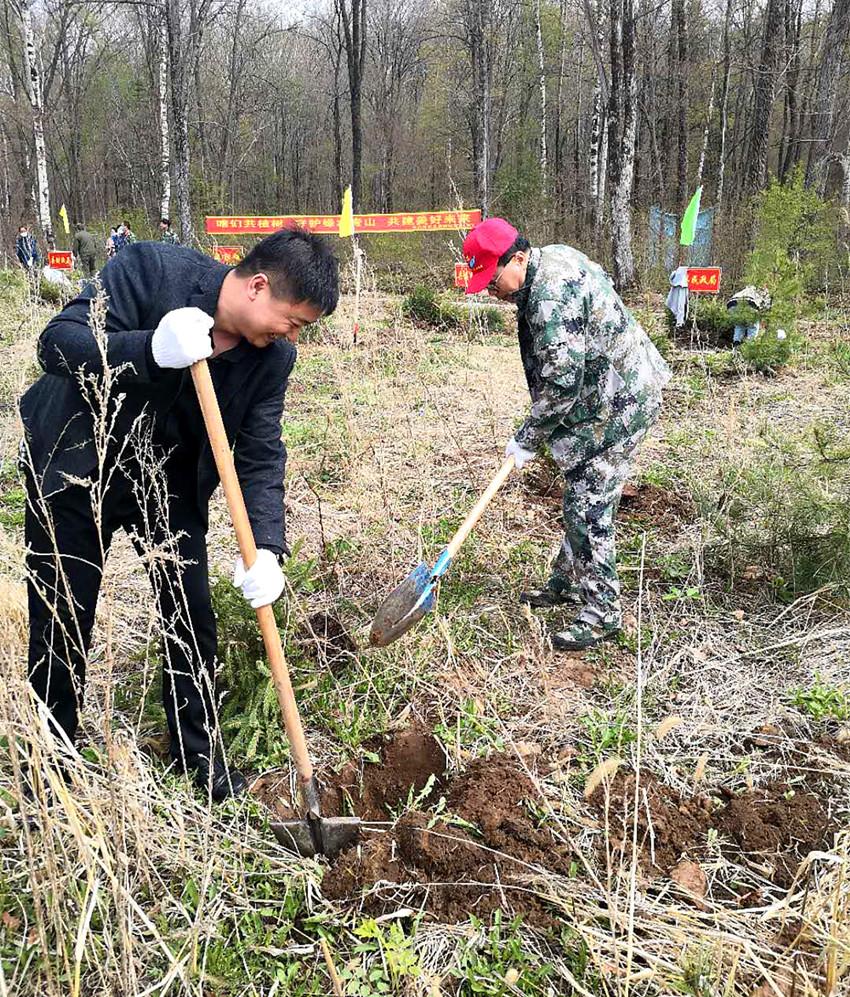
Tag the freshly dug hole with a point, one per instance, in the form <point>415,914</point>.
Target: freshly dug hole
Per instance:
<point>409,760</point>
<point>453,870</point>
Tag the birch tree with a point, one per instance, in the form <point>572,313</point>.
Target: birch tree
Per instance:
<point>164,138</point>
<point>36,100</point>
<point>622,118</point>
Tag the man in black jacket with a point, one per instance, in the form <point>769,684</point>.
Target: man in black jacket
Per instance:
<point>114,438</point>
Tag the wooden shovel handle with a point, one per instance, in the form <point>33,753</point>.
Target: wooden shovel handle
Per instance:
<point>477,510</point>
<point>245,536</point>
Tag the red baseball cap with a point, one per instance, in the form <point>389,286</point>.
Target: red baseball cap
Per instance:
<point>483,248</point>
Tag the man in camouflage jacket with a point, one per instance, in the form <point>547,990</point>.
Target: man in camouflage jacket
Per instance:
<point>595,381</point>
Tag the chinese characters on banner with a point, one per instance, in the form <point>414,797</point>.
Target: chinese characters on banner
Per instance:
<point>415,221</point>
<point>462,274</point>
<point>703,280</point>
<point>60,259</point>
<point>228,254</point>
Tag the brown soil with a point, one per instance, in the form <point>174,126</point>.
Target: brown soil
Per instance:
<point>657,505</point>
<point>368,790</point>
<point>668,827</point>
<point>776,826</point>
<point>451,869</point>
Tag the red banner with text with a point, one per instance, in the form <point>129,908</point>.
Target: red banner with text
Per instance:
<point>704,280</point>
<point>60,259</point>
<point>415,221</point>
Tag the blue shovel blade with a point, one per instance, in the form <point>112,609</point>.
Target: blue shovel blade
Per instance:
<point>404,606</point>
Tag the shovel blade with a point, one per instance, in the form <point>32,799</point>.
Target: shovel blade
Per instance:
<point>404,607</point>
<point>329,838</point>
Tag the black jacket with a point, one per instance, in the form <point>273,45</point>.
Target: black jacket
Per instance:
<point>143,283</point>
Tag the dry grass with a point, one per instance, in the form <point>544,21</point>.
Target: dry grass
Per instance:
<point>121,881</point>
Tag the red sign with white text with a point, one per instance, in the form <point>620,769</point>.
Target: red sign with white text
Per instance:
<point>60,259</point>
<point>414,221</point>
<point>704,280</point>
<point>462,274</point>
<point>228,254</point>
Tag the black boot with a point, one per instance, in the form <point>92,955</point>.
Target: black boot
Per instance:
<point>549,597</point>
<point>222,783</point>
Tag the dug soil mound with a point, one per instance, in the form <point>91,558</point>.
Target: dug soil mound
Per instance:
<point>409,762</point>
<point>668,827</point>
<point>479,849</point>
<point>659,506</point>
<point>777,826</point>
<point>773,826</point>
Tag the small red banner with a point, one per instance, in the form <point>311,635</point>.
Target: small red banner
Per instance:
<point>462,274</point>
<point>60,259</point>
<point>704,280</point>
<point>228,254</point>
<point>415,221</point>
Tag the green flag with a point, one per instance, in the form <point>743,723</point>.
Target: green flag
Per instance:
<point>689,220</point>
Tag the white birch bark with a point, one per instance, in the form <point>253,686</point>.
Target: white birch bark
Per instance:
<point>541,63</point>
<point>164,140</point>
<point>36,99</point>
<point>709,114</point>
<point>7,186</point>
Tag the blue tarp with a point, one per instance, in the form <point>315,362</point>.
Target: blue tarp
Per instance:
<point>664,238</point>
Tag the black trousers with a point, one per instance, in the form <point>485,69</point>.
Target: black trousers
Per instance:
<point>67,545</point>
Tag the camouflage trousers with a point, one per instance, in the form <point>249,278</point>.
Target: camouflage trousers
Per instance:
<point>587,560</point>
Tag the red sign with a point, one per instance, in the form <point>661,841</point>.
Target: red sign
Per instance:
<point>415,221</point>
<point>60,259</point>
<point>704,280</point>
<point>462,274</point>
<point>228,254</point>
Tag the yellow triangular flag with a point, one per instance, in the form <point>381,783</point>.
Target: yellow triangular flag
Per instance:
<point>346,218</point>
<point>63,214</point>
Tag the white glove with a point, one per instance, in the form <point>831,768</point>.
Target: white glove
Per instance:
<point>182,338</point>
<point>520,454</point>
<point>263,582</point>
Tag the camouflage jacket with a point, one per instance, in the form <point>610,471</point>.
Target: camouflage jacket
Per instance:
<point>593,373</point>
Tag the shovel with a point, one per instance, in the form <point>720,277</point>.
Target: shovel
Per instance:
<point>408,602</point>
<point>314,835</point>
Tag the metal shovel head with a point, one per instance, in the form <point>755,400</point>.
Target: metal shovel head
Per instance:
<point>326,836</point>
<point>404,606</point>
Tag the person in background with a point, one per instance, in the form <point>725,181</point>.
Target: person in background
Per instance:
<point>166,234</point>
<point>26,249</point>
<point>111,243</point>
<point>85,249</point>
<point>129,235</point>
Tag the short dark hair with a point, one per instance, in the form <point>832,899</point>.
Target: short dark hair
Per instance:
<point>521,245</point>
<point>165,221</point>
<point>300,266</point>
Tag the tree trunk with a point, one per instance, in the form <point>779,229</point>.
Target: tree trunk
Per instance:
<point>541,65</point>
<point>482,100</point>
<point>679,39</point>
<point>790,146</point>
<point>724,105</point>
<point>709,114</point>
<point>164,141</point>
<point>177,60</point>
<point>7,184</point>
<point>36,99</point>
<point>353,22</point>
<point>823,118</point>
<point>773,42</point>
<point>599,128</point>
<point>622,124</point>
